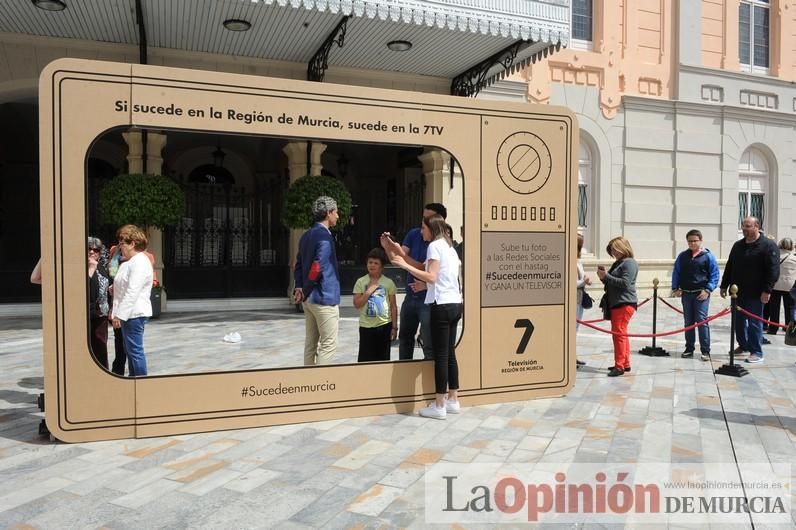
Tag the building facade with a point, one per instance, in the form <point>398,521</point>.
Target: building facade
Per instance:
<point>687,109</point>
<point>687,112</point>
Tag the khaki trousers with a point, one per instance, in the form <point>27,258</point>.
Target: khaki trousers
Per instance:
<point>320,340</point>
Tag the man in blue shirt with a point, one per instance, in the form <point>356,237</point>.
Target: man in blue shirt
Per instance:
<point>695,276</point>
<point>414,310</point>
<point>317,281</point>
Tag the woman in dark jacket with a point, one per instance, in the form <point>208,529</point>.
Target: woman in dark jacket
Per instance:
<point>98,282</point>
<point>620,299</point>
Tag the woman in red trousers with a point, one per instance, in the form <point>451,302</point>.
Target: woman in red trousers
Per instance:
<point>620,298</point>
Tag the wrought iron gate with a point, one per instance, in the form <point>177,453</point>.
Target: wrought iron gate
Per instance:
<point>228,244</point>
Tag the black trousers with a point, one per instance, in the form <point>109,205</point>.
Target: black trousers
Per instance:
<point>120,361</point>
<point>773,308</point>
<point>99,339</point>
<point>374,343</point>
<point>444,321</point>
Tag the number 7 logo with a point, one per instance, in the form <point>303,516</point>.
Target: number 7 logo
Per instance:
<point>526,337</point>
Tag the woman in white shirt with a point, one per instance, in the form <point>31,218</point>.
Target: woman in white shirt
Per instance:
<point>132,287</point>
<point>441,274</point>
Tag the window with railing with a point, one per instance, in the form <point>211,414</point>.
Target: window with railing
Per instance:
<point>753,35</point>
<point>585,173</point>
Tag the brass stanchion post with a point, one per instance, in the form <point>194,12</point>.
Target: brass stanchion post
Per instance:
<point>732,369</point>
<point>654,351</point>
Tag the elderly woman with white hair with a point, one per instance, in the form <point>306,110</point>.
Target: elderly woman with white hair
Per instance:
<point>98,282</point>
<point>782,289</point>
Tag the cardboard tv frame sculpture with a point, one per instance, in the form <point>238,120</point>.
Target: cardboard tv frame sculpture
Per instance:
<point>519,167</point>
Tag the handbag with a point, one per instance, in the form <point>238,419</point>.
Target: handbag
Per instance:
<point>790,334</point>
<point>586,301</point>
<point>604,306</point>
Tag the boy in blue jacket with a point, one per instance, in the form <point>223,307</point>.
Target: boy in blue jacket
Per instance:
<point>695,276</point>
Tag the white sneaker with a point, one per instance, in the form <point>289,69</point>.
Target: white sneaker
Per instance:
<point>433,412</point>
<point>452,407</point>
<point>705,356</point>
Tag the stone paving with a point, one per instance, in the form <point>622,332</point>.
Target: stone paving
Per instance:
<point>368,472</point>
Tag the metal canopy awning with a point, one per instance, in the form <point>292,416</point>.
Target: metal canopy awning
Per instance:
<point>448,37</point>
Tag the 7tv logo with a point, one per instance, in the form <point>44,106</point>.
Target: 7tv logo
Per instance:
<point>526,336</point>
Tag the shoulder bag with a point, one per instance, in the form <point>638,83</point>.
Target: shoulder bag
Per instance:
<point>586,301</point>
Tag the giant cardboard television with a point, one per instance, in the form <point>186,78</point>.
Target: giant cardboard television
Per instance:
<point>519,169</point>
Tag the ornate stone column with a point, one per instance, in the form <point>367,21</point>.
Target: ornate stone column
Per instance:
<point>444,187</point>
<point>435,166</point>
<point>296,153</point>
<point>135,150</point>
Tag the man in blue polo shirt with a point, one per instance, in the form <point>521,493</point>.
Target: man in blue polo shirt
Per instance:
<point>414,310</point>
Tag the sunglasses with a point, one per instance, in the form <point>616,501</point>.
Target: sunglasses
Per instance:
<point>93,249</point>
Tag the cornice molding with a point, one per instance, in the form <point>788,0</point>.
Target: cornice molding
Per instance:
<point>709,110</point>
<point>746,77</point>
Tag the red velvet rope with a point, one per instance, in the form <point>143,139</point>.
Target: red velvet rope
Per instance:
<point>670,305</point>
<point>761,319</point>
<point>601,319</point>
<point>663,333</point>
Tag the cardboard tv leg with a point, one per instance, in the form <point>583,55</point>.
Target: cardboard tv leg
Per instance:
<point>519,168</point>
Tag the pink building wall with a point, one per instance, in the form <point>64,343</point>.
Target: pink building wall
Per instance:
<point>633,49</point>
<point>632,53</point>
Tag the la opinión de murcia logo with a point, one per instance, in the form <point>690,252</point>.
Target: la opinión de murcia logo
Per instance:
<point>488,494</point>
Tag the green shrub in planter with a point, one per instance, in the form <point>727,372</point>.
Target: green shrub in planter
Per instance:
<point>142,200</point>
<point>297,211</point>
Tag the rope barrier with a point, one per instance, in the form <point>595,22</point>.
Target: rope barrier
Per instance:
<point>761,319</point>
<point>670,305</point>
<point>601,319</point>
<point>720,314</point>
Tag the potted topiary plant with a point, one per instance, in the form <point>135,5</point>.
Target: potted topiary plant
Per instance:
<point>141,200</point>
<point>297,211</point>
<point>146,201</point>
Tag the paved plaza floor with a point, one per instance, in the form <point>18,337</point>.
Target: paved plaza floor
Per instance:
<point>368,472</point>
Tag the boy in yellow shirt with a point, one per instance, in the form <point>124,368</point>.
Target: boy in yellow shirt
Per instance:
<point>374,296</point>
